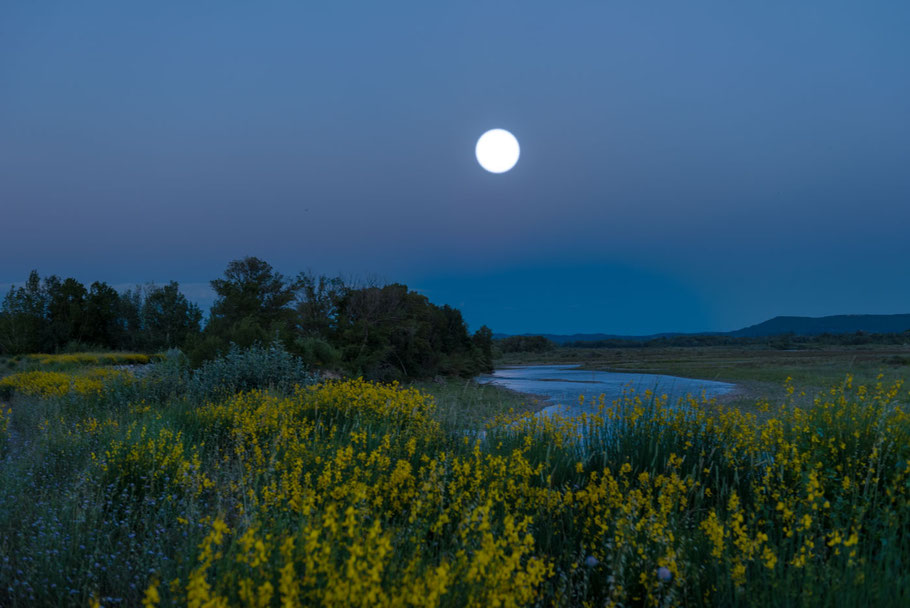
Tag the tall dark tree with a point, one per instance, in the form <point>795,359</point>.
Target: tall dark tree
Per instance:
<point>129,320</point>
<point>65,310</point>
<point>253,305</point>
<point>317,302</point>
<point>391,332</point>
<point>483,343</point>
<point>251,288</point>
<point>100,321</point>
<point>23,326</point>
<point>366,318</point>
<point>168,318</point>
<point>49,315</point>
<point>453,331</point>
<point>526,344</point>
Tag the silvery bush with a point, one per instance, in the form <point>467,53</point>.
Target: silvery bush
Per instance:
<point>243,369</point>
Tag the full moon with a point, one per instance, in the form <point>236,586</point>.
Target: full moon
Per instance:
<point>497,151</point>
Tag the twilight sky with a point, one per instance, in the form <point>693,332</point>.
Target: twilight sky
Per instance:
<point>684,166</point>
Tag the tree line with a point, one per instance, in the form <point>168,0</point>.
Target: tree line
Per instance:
<point>540,344</point>
<point>525,344</point>
<point>780,341</point>
<point>52,315</point>
<point>379,331</point>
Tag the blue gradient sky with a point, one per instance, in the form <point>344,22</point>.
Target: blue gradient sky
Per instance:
<point>685,166</point>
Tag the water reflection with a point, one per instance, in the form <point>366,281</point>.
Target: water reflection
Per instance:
<point>563,384</point>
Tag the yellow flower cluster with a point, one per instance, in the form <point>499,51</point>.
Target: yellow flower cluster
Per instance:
<point>390,513</point>
<point>47,385</point>
<point>95,359</point>
<point>352,493</point>
<point>38,384</point>
<point>153,461</point>
<point>352,462</point>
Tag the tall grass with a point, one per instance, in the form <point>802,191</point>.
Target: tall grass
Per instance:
<point>353,493</point>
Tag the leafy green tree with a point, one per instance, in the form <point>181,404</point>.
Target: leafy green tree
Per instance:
<point>365,321</point>
<point>65,310</point>
<point>251,288</point>
<point>168,318</point>
<point>129,320</point>
<point>22,317</point>
<point>390,332</point>
<point>483,343</point>
<point>382,332</point>
<point>317,302</point>
<point>253,306</point>
<point>100,322</point>
<point>525,344</point>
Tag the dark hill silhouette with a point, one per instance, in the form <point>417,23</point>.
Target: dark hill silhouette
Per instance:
<point>797,326</point>
<point>835,324</point>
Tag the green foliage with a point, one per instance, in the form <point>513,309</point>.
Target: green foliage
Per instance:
<point>169,319</point>
<point>385,332</point>
<point>525,344</point>
<point>483,346</point>
<point>390,333</point>
<point>65,302</point>
<point>252,307</point>
<point>165,379</point>
<point>250,294</point>
<point>254,367</point>
<point>23,318</point>
<point>779,341</point>
<point>641,502</point>
<point>54,315</point>
<point>318,352</point>
<point>101,323</point>
<point>379,332</point>
<point>317,304</point>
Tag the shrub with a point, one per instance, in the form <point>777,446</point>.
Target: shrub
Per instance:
<point>244,369</point>
<point>318,352</point>
<point>4,428</point>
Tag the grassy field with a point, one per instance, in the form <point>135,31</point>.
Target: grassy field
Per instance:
<point>183,488</point>
<point>72,361</point>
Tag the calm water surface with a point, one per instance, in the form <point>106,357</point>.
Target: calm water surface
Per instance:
<point>564,383</point>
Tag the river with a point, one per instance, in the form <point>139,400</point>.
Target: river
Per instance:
<point>563,384</point>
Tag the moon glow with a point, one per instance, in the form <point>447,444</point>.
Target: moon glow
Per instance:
<point>497,151</point>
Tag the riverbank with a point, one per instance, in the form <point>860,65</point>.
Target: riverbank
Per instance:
<point>747,395</point>
<point>467,403</point>
<point>565,385</point>
<point>532,402</point>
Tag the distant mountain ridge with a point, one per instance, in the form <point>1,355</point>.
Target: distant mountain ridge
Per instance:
<point>798,326</point>
<point>835,324</point>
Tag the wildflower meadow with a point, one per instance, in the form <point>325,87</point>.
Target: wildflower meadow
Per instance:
<point>122,490</point>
